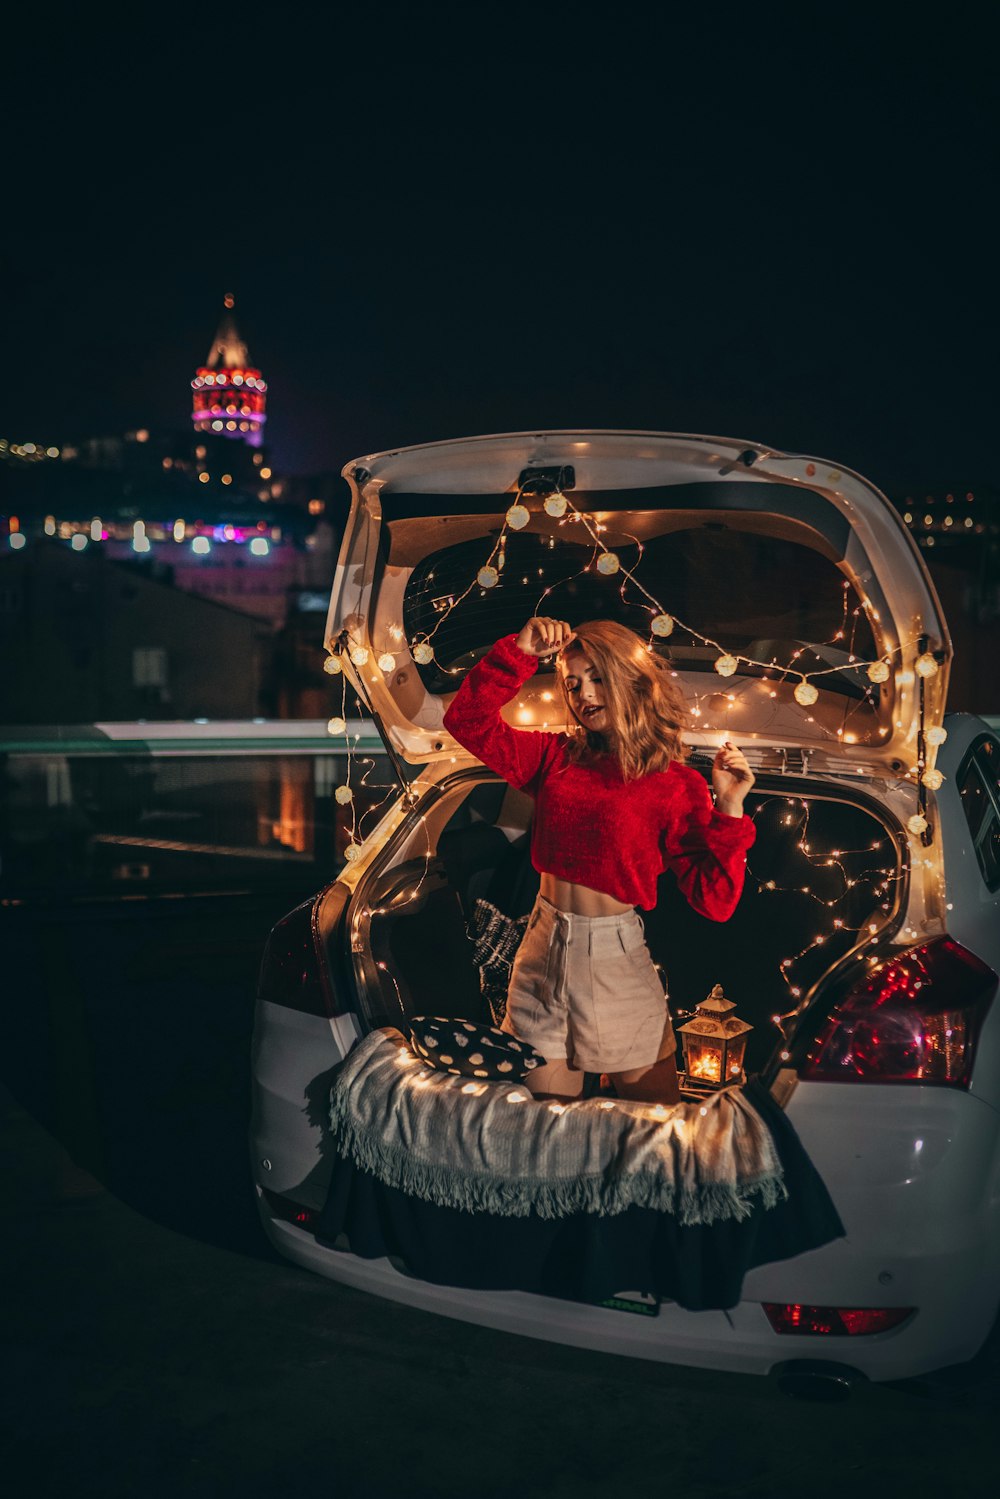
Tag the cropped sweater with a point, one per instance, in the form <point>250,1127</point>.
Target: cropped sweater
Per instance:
<point>591,826</point>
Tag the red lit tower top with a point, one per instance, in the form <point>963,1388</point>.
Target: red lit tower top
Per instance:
<point>230,395</point>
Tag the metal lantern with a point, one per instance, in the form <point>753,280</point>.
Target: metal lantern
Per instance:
<point>714,1042</point>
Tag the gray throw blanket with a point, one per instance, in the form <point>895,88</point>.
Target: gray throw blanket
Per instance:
<point>490,1147</point>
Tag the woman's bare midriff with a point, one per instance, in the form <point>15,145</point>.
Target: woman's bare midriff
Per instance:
<point>579,900</point>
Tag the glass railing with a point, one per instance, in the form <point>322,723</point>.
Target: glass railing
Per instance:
<point>127,810</point>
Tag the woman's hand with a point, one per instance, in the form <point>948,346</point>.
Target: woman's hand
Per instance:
<point>731,779</point>
<point>543,637</point>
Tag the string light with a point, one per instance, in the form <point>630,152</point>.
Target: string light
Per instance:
<point>336,725</point>
<point>662,624</point>
<point>386,661</point>
<point>609,563</point>
<point>344,794</point>
<point>936,736</point>
<point>917,824</point>
<point>880,880</point>
<point>932,779</point>
<point>332,666</point>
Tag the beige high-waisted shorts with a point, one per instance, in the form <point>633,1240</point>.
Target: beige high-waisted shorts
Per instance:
<point>584,989</point>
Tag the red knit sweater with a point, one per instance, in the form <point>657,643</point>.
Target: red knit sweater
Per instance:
<point>591,826</point>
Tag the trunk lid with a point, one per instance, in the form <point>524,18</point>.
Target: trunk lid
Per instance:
<point>793,566</point>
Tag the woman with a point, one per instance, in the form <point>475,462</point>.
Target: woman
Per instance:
<point>615,805</point>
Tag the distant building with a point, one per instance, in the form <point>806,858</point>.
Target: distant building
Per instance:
<point>968,518</point>
<point>230,393</point>
<point>85,640</point>
<point>202,509</point>
<point>958,533</point>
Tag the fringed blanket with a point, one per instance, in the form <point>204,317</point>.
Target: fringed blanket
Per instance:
<point>492,1148</point>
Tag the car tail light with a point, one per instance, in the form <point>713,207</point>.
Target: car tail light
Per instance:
<point>914,1018</point>
<point>295,972</point>
<point>834,1321</point>
<point>289,1211</point>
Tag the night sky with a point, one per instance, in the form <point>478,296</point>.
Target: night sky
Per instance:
<point>728,226</point>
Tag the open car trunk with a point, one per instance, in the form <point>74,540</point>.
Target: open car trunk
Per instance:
<point>785,594</point>
<point>400,1177</point>
<point>801,574</point>
<point>825,870</point>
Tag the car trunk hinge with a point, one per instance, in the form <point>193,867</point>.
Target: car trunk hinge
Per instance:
<point>342,644</point>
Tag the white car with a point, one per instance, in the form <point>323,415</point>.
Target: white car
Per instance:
<point>802,623</point>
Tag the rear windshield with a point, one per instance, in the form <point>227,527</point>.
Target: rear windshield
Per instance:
<point>754,595</point>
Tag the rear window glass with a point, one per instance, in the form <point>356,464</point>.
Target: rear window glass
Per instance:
<point>755,595</point>
<point>979,789</point>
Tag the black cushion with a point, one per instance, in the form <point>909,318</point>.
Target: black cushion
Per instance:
<point>467,1050</point>
<point>495,940</point>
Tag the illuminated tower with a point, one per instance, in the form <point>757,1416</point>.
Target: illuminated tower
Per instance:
<point>230,396</point>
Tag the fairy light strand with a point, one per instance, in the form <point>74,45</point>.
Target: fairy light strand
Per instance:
<point>663,622</point>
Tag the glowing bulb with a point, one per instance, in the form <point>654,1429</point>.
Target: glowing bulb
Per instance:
<point>386,662</point>
<point>608,563</point>
<point>555,505</point>
<point>487,577</point>
<point>517,517</point>
<point>917,823</point>
<point>336,725</point>
<point>878,671</point>
<point>932,779</point>
<point>662,625</point>
<point>359,654</point>
<point>925,665</point>
<point>726,665</point>
<point>936,736</point>
<point>343,795</point>
<point>332,666</point>
<point>423,653</point>
<point>352,852</point>
<point>805,693</point>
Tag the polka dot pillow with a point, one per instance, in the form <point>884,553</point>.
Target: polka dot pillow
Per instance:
<point>468,1050</point>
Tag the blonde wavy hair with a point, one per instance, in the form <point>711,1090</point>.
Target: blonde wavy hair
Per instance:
<point>646,708</point>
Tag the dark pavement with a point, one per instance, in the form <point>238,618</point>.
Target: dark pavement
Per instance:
<point>153,1345</point>
<point>142,1361</point>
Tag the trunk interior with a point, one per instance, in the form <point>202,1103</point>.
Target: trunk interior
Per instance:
<point>822,870</point>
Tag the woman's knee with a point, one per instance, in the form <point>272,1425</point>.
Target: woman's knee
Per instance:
<point>555,1080</point>
<point>657,1083</point>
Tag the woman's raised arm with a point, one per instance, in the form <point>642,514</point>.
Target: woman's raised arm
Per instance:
<point>474,717</point>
